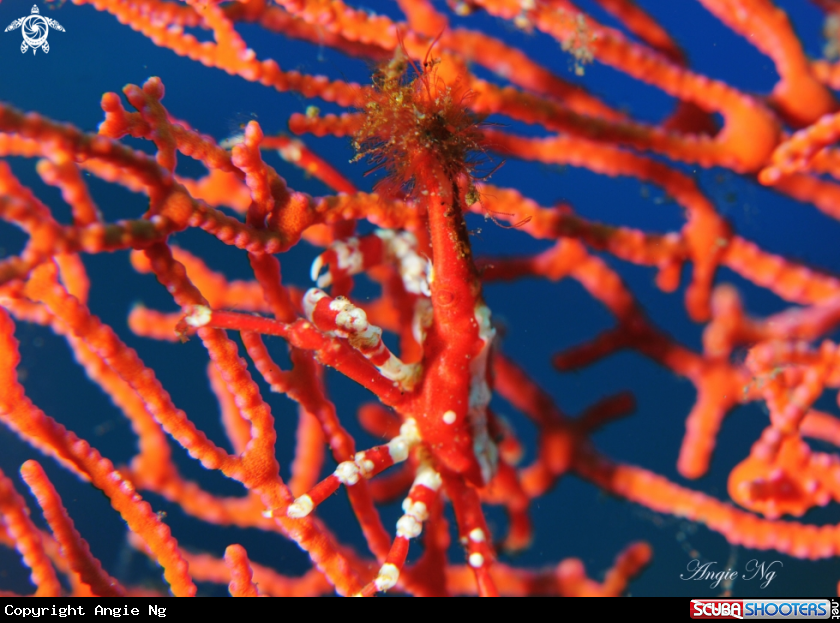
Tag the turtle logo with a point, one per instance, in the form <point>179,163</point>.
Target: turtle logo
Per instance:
<point>35,28</point>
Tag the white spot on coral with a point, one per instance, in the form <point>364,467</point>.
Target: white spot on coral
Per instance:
<point>408,431</point>
<point>365,465</point>
<point>477,535</point>
<point>301,507</point>
<point>347,473</point>
<point>417,509</point>
<point>476,560</point>
<point>236,139</point>
<point>387,578</point>
<point>398,449</point>
<point>427,477</point>
<point>199,316</point>
<point>291,152</point>
<point>408,527</point>
<point>449,417</point>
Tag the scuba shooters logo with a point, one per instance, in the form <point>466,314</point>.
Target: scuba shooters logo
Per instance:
<point>763,609</point>
<point>35,28</point>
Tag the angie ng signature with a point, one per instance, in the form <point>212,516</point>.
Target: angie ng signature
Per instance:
<point>763,571</point>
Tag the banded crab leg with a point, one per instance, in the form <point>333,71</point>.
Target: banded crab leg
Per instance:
<point>339,317</point>
<point>472,528</point>
<point>415,507</point>
<point>350,257</point>
<point>366,464</point>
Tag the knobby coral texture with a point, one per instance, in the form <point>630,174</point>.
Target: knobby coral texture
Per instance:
<point>482,297</point>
